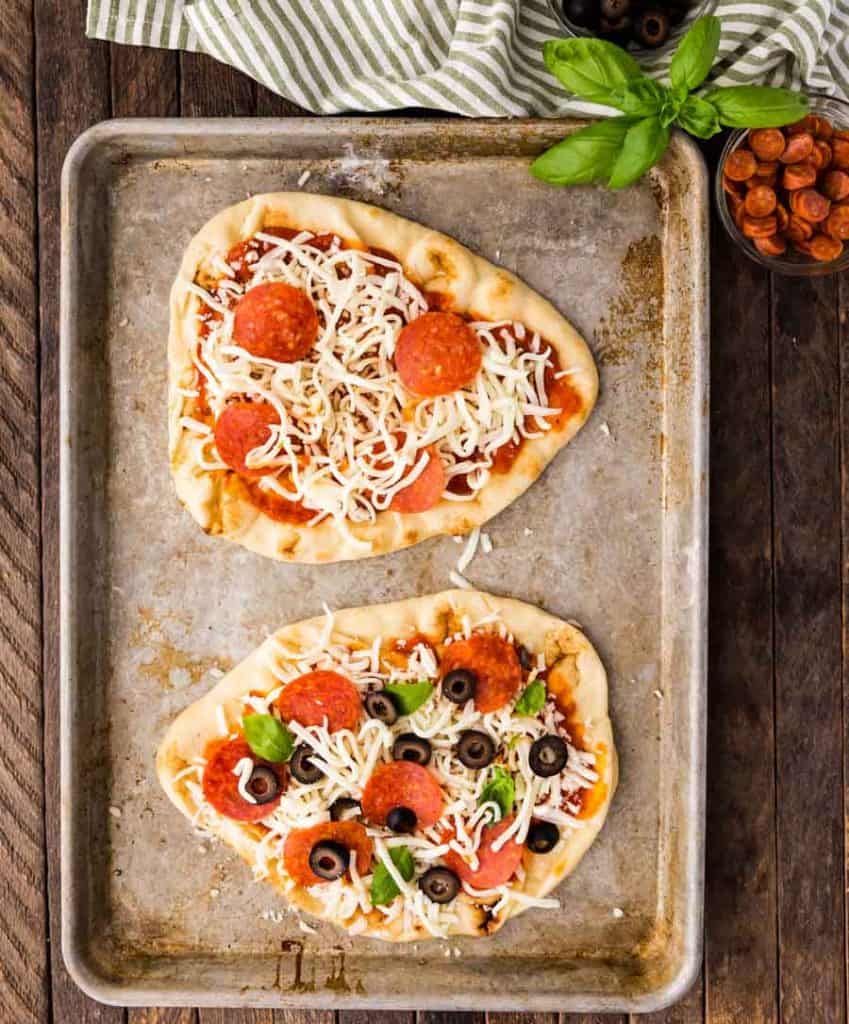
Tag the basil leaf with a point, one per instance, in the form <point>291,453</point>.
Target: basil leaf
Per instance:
<point>383,886</point>
<point>641,98</point>
<point>532,700</point>
<point>408,697</point>
<point>591,68</point>
<point>699,118</point>
<point>696,53</point>
<point>588,155</point>
<point>644,145</point>
<point>500,789</point>
<point>268,738</point>
<point>757,106</point>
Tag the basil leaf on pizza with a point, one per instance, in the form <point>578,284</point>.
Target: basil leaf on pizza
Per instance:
<point>268,738</point>
<point>500,789</point>
<point>532,700</point>
<point>409,697</point>
<point>304,330</point>
<point>384,888</point>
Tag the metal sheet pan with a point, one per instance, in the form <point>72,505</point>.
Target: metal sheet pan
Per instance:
<point>613,536</point>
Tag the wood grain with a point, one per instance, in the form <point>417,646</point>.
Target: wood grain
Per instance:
<point>24,982</point>
<point>144,82</point>
<point>168,1015</point>
<point>740,911</point>
<point>808,627</point>
<point>689,1010</point>
<point>210,89</point>
<point>73,93</point>
<point>843,337</point>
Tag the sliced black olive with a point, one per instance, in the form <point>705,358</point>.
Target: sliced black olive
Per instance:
<point>439,885</point>
<point>263,785</point>
<point>329,860</point>
<point>459,685</point>
<point>615,26</point>
<point>303,767</point>
<point>548,756</point>
<point>475,749</point>
<point>401,819</point>
<point>409,747</point>
<point>652,27</point>
<point>526,659</point>
<point>381,706</point>
<point>345,809</point>
<point>581,12</point>
<point>543,836</point>
<point>615,9</point>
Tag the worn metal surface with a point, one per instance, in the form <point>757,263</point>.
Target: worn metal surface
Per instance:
<point>613,536</point>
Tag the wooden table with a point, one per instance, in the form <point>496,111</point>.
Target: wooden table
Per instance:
<point>775,946</point>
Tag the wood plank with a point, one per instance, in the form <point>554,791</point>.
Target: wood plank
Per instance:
<point>740,895</point>
<point>210,1016</point>
<point>166,1015</point>
<point>144,82</point>
<point>73,93</point>
<point>429,1017</point>
<point>24,988</point>
<point>369,1017</point>
<point>269,104</point>
<point>689,1010</point>
<point>211,89</point>
<point>843,337</point>
<point>808,628</point>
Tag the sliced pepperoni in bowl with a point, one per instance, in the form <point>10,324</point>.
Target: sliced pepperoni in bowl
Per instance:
<point>437,354</point>
<point>275,320</point>
<point>316,696</point>
<point>221,786</point>
<point>240,428</point>
<point>495,867</point>
<point>300,842</point>
<point>494,663</point>
<point>402,784</point>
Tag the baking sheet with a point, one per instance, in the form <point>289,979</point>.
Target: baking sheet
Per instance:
<point>153,611</point>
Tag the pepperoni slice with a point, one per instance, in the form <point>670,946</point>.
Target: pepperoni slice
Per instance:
<point>314,696</point>
<point>402,784</point>
<point>740,165</point>
<point>810,204</point>
<point>761,201</point>
<point>242,427</point>
<point>825,248</point>
<point>221,786</point>
<point>801,175</point>
<point>837,223</point>
<point>437,353</point>
<point>426,490</point>
<point>495,664</point>
<point>773,245</point>
<point>494,868</point>
<point>276,321</point>
<point>835,185</point>
<point>759,227</point>
<point>300,841</point>
<point>798,148</point>
<point>767,143</point>
<point>840,151</point>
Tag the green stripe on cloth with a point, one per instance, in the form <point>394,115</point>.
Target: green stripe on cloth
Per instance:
<point>471,57</point>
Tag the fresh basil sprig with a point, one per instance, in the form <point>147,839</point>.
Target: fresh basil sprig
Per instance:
<point>268,738</point>
<point>618,151</point>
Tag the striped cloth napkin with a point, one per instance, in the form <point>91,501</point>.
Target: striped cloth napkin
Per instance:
<point>476,57</point>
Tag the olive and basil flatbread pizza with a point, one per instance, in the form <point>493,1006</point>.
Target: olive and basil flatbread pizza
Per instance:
<point>345,382</point>
<point>421,769</point>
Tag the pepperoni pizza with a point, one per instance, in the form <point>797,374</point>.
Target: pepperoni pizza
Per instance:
<point>435,779</point>
<point>345,382</point>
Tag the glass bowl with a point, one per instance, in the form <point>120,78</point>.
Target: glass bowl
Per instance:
<point>696,10</point>
<point>795,264</point>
